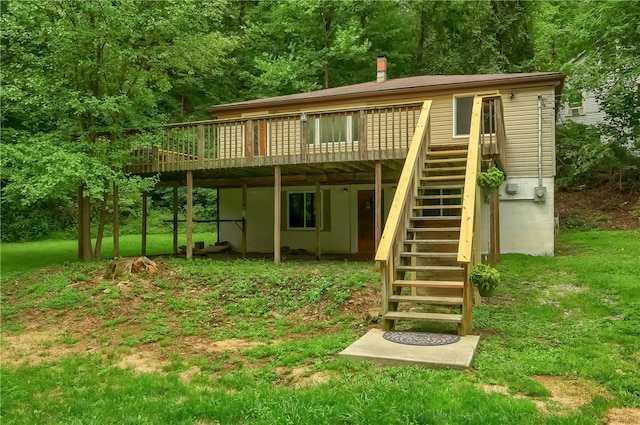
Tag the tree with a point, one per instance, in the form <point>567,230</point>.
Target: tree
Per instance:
<point>77,76</point>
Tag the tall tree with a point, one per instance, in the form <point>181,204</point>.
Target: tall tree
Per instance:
<point>78,75</point>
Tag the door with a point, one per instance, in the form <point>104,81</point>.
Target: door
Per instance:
<point>259,134</point>
<point>366,221</point>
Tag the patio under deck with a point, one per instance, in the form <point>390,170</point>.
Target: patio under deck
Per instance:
<point>374,348</point>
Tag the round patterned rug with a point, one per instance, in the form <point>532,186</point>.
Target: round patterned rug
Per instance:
<point>420,338</point>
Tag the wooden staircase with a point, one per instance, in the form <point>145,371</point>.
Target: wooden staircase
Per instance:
<point>431,237</point>
<point>431,283</point>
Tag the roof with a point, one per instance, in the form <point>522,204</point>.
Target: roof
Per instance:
<point>423,83</point>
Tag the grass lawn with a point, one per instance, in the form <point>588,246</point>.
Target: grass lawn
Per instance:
<point>25,256</point>
<point>245,342</point>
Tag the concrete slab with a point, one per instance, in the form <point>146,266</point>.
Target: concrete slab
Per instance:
<point>374,348</point>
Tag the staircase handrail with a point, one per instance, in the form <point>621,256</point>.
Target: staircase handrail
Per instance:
<point>471,190</point>
<point>405,189</point>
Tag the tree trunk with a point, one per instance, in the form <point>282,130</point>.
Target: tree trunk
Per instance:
<point>97,253</point>
<point>84,226</point>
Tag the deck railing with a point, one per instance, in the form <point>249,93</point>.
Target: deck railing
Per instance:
<point>388,252</point>
<point>355,134</point>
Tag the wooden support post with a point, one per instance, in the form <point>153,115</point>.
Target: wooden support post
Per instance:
<point>116,222</point>
<point>378,204</point>
<point>277,193</point>
<point>465,327</point>
<point>244,220</point>
<point>144,223</point>
<point>175,219</point>
<point>79,219</point>
<point>189,214</point>
<point>497,226</point>
<point>217,215</point>
<point>492,230</point>
<point>318,219</point>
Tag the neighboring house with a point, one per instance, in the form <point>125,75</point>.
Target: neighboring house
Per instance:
<point>323,171</point>
<point>585,109</point>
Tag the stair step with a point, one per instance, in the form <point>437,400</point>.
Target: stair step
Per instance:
<point>442,169</point>
<point>442,178</point>
<point>429,268</point>
<point>447,284</point>
<point>424,299</point>
<point>434,241</point>
<point>445,160</point>
<point>457,196</point>
<point>437,207</point>
<point>433,229</point>
<point>429,254</point>
<point>448,152</point>
<point>434,218</point>
<point>442,187</point>
<point>428,317</point>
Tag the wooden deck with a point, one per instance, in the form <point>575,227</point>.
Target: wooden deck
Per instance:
<point>314,137</point>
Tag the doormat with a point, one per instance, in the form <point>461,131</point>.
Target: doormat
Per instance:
<point>420,338</point>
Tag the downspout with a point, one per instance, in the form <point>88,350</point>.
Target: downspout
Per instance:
<point>540,141</point>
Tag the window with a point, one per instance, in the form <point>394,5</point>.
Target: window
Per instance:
<point>334,129</point>
<point>302,210</point>
<point>462,108</point>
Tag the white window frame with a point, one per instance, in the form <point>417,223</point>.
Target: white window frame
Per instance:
<point>305,193</point>
<point>315,122</point>
<point>455,117</point>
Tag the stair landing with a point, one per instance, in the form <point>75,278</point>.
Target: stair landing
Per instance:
<point>374,348</point>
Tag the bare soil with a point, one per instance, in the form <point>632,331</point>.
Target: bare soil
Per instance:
<point>605,207</point>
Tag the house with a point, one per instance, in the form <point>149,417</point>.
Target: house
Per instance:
<point>386,167</point>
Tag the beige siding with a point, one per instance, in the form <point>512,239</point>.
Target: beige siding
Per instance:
<point>521,127</point>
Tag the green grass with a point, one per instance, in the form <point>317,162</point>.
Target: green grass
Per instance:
<point>575,316</point>
<point>20,257</point>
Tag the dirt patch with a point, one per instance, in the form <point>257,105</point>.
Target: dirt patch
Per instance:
<point>41,346</point>
<point>626,416</point>
<point>143,361</point>
<point>189,374</point>
<point>569,393</point>
<point>605,207</point>
<point>301,377</point>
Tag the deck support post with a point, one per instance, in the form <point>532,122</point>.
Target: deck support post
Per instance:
<point>244,220</point>
<point>217,215</point>
<point>494,231</point>
<point>175,219</point>
<point>144,224</point>
<point>277,193</point>
<point>465,327</point>
<point>189,214</point>
<point>116,222</point>
<point>318,219</point>
<point>378,204</point>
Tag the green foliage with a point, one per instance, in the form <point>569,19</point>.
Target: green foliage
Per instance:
<point>490,179</point>
<point>580,155</point>
<point>484,277</point>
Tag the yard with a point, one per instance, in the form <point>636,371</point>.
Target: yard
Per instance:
<point>245,342</point>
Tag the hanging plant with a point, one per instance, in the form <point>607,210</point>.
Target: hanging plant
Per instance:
<point>491,179</point>
<point>485,278</point>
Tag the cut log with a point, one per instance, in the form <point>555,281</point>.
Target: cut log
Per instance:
<point>126,266</point>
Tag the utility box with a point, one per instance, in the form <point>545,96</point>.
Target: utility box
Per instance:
<point>512,188</point>
<point>540,194</point>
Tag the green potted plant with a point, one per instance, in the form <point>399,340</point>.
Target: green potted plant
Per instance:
<point>485,278</point>
<point>491,179</point>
